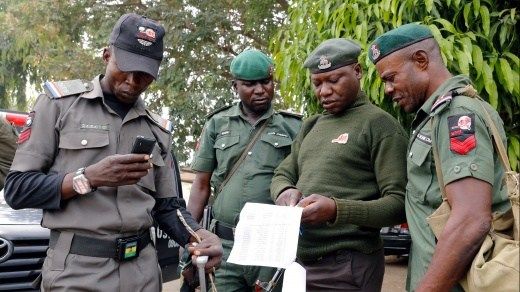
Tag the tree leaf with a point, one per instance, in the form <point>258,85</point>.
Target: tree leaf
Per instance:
<point>466,12</point>
<point>446,24</point>
<point>513,140</point>
<point>457,3</point>
<point>512,57</point>
<point>467,47</point>
<point>490,85</point>
<point>463,62</point>
<point>476,54</point>
<point>513,151</point>
<point>484,14</point>
<point>503,35</point>
<point>507,74</point>
<point>429,5</point>
<point>476,7</point>
<point>513,159</point>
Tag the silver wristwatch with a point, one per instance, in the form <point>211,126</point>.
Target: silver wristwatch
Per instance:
<point>80,183</point>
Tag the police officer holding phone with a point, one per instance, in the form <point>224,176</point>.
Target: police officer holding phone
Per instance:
<point>99,200</point>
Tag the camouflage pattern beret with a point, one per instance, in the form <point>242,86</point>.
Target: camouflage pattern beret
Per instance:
<point>397,39</point>
<point>332,54</point>
<point>251,65</point>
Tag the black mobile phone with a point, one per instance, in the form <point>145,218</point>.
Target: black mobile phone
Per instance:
<point>143,145</point>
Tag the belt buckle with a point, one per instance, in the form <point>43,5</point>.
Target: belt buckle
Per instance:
<point>127,248</point>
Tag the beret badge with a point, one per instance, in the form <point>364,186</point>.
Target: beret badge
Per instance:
<point>324,63</point>
<point>375,51</point>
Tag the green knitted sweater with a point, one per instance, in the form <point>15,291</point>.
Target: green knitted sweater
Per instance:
<point>365,173</point>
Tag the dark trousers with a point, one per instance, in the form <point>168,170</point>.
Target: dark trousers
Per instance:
<point>346,270</point>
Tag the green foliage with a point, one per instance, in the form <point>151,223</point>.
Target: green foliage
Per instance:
<point>478,38</point>
<point>63,39</point>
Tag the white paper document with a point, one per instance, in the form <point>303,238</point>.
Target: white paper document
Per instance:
<point>266,235</point>
<point>294,278</point>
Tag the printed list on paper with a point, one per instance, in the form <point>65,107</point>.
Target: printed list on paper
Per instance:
<point>266,235</point>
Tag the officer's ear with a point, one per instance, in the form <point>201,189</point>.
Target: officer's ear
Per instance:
<point>358,71</point>
<point>421,59</point>
<point>107,53</point>
<point>234,85</point>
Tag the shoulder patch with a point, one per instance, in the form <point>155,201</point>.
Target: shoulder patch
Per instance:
<point>441,100</point>
<point>462,133</point>
<point>218,110</point>
<point>59,89</point>
<point>25,134</point>
<point>291,114</point>
<point>163,123</point>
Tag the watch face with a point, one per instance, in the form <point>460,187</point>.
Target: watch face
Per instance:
<point>81,184</point>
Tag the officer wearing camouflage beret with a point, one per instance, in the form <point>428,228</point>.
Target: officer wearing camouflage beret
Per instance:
<point>347,170</point>
<point>240,147</point>
<point>409,62</point>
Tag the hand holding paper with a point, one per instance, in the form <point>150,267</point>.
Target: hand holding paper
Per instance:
<point>266,235</point>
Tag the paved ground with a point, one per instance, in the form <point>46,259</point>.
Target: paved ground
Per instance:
<point>395,274</point>
<point>394,281</point>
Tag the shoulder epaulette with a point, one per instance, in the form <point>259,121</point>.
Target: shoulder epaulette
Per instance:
<point>218,110</point>
<point>291,114</point>
<point>60,89</point>
<point>446,98</point>
<point>467,90</point>
<point>163,123</point>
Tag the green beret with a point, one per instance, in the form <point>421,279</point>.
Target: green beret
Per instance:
<point>332,54</point>
<point>397,39</point>
<point>251,65</point>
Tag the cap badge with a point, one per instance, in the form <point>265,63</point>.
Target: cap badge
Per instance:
<point>324,63</point>
<point>375,51</point>
<point>270,71</point>
<point>146,36</point>
<point>342,139</point>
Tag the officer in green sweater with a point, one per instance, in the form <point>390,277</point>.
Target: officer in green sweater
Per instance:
<point>347,169</point>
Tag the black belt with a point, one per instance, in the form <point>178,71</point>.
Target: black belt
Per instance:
<point>122,249</point>
<point>224,232</point>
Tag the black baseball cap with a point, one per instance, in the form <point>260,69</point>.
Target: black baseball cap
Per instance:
<point>138,44</point>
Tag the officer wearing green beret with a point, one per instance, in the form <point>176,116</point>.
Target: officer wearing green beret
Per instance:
<point>347,170</point>
<point>409,61</point>
<point>240,147</point>
<point>7,149</point>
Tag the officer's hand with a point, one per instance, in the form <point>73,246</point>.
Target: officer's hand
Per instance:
<point>210,246</point>
<point>317,209</point>
<point>289,197</point>
<point>118,170</point>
